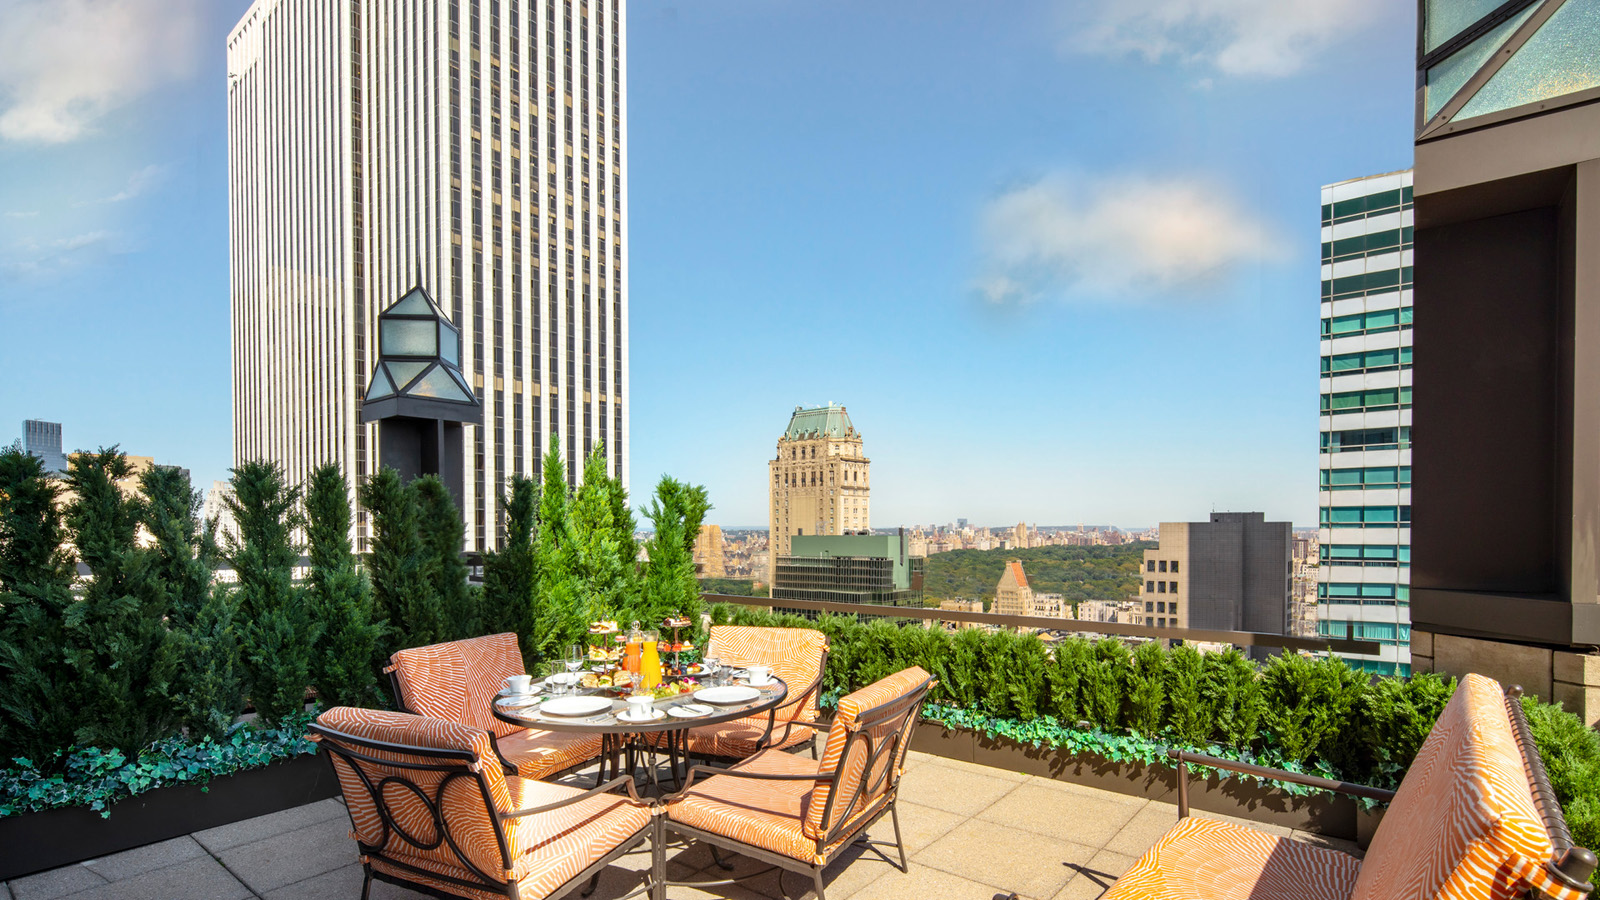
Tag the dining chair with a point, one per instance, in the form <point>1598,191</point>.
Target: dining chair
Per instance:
<point>456,681</point>
<point>798,656</point>
<point>799,814</point>
<point>432,809</point>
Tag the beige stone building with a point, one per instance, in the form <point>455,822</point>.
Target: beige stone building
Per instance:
<point>709,561</point>
<point>1013,597</point>
<point>819,480</point>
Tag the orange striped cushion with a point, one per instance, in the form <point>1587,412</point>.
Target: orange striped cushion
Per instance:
<point>540,754</point>
<point>795,655</point>
<point>456,681</point>
<point>850,706</point>
<point>763,814</point>
<point>737,739</point>
<point>559,844</point>
<point>1201,859</point>
<point>1464,813</point>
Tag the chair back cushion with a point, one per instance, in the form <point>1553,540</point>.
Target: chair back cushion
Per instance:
<point>866,749</point>
<point>1464,816</point>
<point>457,680</point>
<point>396,810</point>
<point>795,655</point>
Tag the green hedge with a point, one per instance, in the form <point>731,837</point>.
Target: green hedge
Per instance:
<point>1304,714</point>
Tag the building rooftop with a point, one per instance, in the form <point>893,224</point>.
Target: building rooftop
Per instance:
<point>818,422</point>
<point>972,832</point>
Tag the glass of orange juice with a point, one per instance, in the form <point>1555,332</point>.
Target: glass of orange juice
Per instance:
<point>650,660</point>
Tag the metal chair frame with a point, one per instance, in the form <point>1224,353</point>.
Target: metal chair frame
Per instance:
<point>842,827</point>
<point>456,764</point>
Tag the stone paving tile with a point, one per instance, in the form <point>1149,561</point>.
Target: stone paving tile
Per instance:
<point>55,883</point>
<point>926,884</point>
<point>341,884</point>
<point>993,854</point>
<point>919,826</point>
<point>1096,877</point>
<point>270,863</point>
<point>961,765</point>
<point>250,830</point>
<point>1142,831</point>
<point>142,859</point>
<point>966,790</point>
<point>201,877</point>
<point>1087,819</point>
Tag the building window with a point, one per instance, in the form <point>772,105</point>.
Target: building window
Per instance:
<point>1163,566</point>
<point>1161,587</point>
<point>1172,587</point>
<point>1149,565</point>
<point>1161,607</point>
<point>1174,567</point>
<point>1149,587</point>
<point>1149,606</point>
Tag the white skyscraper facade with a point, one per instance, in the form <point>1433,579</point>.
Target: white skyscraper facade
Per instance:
<point>1364,576</point>
<point>477,148</point>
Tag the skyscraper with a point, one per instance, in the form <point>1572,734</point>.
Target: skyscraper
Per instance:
<point>819,482</point>
<point>43,440</point>
<point>474,148</point>
<point>1363,580</point>
<point>1230,573</point>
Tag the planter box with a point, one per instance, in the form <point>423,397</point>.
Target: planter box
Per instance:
<point>43,840</point>
<point>1331,816</point>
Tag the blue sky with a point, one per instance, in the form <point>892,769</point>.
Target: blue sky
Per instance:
<point>1059,259</point>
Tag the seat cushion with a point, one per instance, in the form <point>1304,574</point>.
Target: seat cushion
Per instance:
<point>795,655</point>
<point>763,814</point>
<point>737,739</point>
<point>457,680</point>
<point>1202,859</point>
<point>540,754</point>
<point>1464,818</point>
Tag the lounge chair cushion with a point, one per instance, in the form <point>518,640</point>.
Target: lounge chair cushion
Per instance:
<point>541,754</point>
<point>1463,819</point>
<point>764,814</point>
<point>1203,859</point>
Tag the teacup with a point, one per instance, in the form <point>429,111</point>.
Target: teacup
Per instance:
<point>759,674</point>
<point>641,706</point>
<point>519,684</point>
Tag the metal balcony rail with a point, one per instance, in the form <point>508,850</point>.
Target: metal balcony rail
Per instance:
<point>1319,644</point>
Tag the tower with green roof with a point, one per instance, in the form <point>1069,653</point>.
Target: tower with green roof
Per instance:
<point>817,480</point>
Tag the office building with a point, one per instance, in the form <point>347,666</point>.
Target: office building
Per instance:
<point>1364,516</point>
<point>1230,573</point>
<point>43,440</point>
<point>476,149</point>
<point>1013,596</point>
<point>818,482</point>
<point>855,568</point>
<point>1505,572</point>
<point>709,561</point>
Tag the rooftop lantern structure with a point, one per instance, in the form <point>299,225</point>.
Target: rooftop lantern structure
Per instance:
<point>417,393</point>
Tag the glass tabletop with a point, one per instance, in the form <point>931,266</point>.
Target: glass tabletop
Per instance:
<point>610,720</point>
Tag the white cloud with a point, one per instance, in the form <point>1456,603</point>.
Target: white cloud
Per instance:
<point>65,63</point>
<point>37,259</point>
<point>138,183</point>
<point>1116,237</point>
<point>22,214</point>
<point>1236,37</point>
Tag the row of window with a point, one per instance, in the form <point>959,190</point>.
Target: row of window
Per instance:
<point>1377,282</point>
<point>1367,360</point>
<point>1374,322</point>
<point>1338,592</point>
<point>1150,565</point>
<point>1366,554</point>
<point>1358,207</point>
<point>1161,606</point>
<point>1371,400</point>
<point>1388,632</point>
<point>1364,244</point>
<point>1398,438</point>
<point>1160,587</point>
<point>1365,516</point>
<point>1371,478</point>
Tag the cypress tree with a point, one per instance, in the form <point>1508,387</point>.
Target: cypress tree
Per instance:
<point>208,694</point>
<point>511,574</point>
<point>340,596</point>
<point>401,569</point>
<point>561,615</point>
<point>599,563</point>
<point>443,538</point>
<point>125,658</point>
<point>670,587</point>
<point>276,627</point>
<point>38,702</point>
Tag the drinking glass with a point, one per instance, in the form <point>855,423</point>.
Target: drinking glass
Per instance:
<point>575,656</point>
<point>556,684</point>
<point>712,667</point>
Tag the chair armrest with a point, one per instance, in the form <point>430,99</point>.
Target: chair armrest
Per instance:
<point>624,781</point>
<point>1182,757</point>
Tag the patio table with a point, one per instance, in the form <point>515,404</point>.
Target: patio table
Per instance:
<point>619,734</point>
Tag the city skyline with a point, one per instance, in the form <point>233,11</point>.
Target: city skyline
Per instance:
<point>1093,379</point>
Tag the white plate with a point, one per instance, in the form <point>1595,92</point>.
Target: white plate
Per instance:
<point>690,711</point>
<point>726,696</point>
<point>574,706</point>
<point>628,716</point>
<point>517,701</point>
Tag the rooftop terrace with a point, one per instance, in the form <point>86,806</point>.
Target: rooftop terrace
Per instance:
<point>972,832</point>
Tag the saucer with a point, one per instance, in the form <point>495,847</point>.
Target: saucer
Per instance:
<point>628,716</point>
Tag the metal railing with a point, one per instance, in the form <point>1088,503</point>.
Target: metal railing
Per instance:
<point>1049,623</point>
